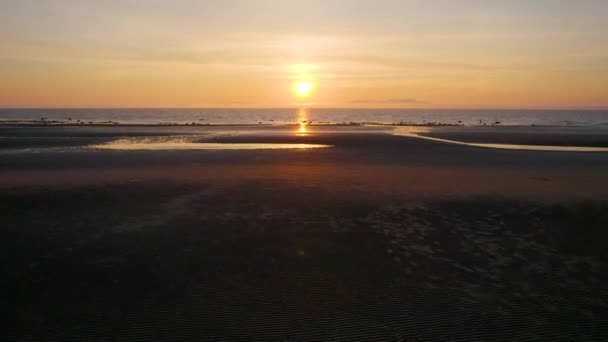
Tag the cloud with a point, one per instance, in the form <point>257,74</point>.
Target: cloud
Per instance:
<point>385,101</point>
<point>404,101</point>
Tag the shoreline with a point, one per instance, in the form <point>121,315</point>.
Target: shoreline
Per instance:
<point>288,124</point>
<point>194,124</point>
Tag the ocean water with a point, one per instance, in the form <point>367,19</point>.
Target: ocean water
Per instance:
<point>316,115</point>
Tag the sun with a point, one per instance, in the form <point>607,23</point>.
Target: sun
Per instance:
<point>302,88</point>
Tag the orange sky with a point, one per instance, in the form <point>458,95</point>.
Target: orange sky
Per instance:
<point>355,53</point>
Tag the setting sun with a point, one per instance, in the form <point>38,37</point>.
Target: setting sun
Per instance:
<point>303,88</point>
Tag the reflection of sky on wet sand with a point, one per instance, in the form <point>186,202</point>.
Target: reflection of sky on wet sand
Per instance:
<point>542,147</point>
<point>126,144</point>
<point>416,131</point>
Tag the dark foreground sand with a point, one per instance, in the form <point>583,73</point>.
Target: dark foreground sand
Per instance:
<point>379,237</point>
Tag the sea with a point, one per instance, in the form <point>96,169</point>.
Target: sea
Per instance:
<point>218,116</point>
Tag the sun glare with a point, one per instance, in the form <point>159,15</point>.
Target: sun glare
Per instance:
<point>302,88</point>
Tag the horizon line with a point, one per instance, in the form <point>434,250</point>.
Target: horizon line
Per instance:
<point>591,108</point>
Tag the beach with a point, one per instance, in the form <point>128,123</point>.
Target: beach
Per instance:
<point>303,233</point>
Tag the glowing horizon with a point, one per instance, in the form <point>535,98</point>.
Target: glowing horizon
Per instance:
<point>270,53</point>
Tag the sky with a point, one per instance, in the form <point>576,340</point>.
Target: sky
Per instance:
<point>357,53</point>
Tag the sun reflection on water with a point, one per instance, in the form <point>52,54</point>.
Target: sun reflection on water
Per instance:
<point>303,122</point>
<point>302,131</point>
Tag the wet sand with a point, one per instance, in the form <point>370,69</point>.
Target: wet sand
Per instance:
<point>378,237</point>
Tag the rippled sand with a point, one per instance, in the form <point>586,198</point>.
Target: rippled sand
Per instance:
<point>380,237</point>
